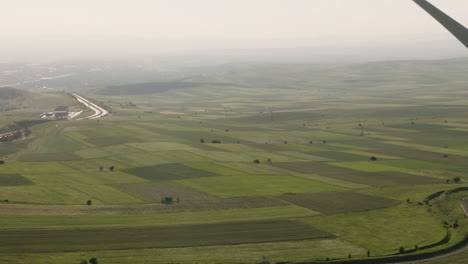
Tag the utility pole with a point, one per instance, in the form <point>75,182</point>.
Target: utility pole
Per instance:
<point>361,124</point>
<point>271,114</point>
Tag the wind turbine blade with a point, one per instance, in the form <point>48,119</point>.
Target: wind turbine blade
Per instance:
<point>457,29</point>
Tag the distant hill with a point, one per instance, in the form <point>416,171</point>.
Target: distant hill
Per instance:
<point>304,76</point>
<point>8,93</point>
<point>155,87</point>
<point>12,99</point>
<point>330,76</point>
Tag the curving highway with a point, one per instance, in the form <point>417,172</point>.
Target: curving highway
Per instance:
<point>98,111</point>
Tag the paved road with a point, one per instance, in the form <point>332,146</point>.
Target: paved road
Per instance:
<point>98,111</point>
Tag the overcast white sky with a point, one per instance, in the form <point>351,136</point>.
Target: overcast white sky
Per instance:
<point>236,19</point>
<point>226,18</point>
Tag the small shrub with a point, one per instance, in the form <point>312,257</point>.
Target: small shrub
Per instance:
<point>373,158</point>
<point>93,261</point>
<point>89,202</point>
<point>216,142</point>
<point>256,161</point>
<point>401,250</point>
<point>167,200</point>
<point>111,168</point>
<point>457,179</point>
<point>202,140</point>
<point>264,261</point>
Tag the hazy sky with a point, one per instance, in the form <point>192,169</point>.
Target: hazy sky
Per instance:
<point>223,18</point>
<point>319,21</point>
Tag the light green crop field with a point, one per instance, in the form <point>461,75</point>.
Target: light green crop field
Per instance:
<point>258,162</point>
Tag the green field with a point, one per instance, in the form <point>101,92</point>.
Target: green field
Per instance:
<point>255,185</point>
<point>257,160</point>
<point>157,237</point>
<point>171,171</point>
<point>339,202</point>
<point>13,180</point>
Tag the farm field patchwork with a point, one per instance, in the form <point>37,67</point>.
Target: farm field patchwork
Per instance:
<point>271,166</point>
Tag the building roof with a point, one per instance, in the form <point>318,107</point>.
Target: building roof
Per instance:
<point>61,108</point>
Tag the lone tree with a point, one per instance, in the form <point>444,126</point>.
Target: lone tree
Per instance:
<point>373,158</point>
<point>457,179</point>
<point>111,168</point>
<point>256,161</point>
<point>2,162</point>
<point>401,250</point>
<point>101,168</point>
<point>167,200</point>
<point>93,261</point>
<point>264,261</point>
<point>202,140</point>
<point>89,202</point>
<point>216,142</point>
